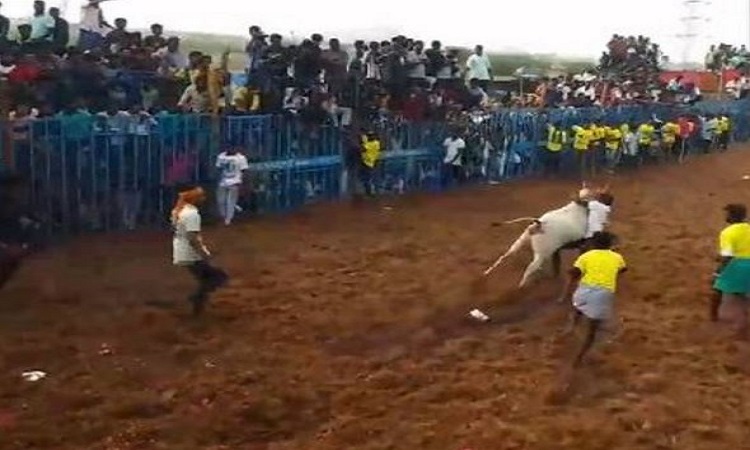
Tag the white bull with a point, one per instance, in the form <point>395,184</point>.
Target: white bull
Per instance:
<point>549,234</point>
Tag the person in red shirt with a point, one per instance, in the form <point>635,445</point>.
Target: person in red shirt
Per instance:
<point>27,71</point>
<point>687,129</point>
<point>415,106</point>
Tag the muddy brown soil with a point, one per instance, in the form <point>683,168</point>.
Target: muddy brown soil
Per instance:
<point>344,329</point>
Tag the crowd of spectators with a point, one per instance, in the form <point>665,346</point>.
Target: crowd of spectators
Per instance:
<point>726,56</point>
<point>113,70</point>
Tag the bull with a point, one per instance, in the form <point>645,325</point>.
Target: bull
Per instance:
<point>548,235</point>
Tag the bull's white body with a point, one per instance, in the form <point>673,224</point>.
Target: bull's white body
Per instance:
<point>558,228</point>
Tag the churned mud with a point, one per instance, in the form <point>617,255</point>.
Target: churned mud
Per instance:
<point>345,328</point>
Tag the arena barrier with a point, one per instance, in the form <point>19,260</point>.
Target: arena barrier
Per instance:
<point>88,174</point>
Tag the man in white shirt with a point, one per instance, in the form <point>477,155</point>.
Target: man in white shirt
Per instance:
<point>189,250</point>
<point>232,166</point>
<point>453,167</point>
<point>93,27</point>
<point>479,67</point>
<point>599,210</point>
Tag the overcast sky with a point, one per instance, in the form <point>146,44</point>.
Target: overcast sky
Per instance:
<point>566,27</point>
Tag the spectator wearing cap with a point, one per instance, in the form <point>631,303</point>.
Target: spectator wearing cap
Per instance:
<point>93,27</point>
<point>479,66</point>
<point>60,32</point>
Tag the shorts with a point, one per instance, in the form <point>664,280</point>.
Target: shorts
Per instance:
<point>735,278</point>
<point>594,302</point>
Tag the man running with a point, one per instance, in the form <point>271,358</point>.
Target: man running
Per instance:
<point>232,167</point>
<point>189,249</point>
<point>592,286</point>
<point>733,273</point>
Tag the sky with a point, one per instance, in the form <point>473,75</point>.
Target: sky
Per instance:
<point>499,25</point>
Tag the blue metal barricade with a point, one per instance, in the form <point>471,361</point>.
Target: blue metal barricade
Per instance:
<point>118,171</point>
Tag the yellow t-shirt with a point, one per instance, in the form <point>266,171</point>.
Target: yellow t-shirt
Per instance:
<point>669,132</point>
<point>614,138</point>
<point>646,133</point>
<point>600,268</point>
<point>724,124</point>
<point>734,241</point>
<point>371,152</point>
<point>582,139</point>
<point>555,139</point>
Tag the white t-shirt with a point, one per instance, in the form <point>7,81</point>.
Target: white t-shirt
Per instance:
<point>90,19</point>
<point>598,217</point>
<point>188,221</point>
<point>479,67</point>
<point>231,168</point>
<point>453,151</point>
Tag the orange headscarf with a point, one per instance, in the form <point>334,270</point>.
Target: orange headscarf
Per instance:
<point>184,198</point>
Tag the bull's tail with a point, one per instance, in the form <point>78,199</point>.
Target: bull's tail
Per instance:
<point>521,220</point>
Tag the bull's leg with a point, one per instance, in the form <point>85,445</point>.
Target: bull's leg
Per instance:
<point>515,248</point>
<point>556,263</point>
<point>531,270</point>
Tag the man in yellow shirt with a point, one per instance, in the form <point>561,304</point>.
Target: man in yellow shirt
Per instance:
<point>556,138</point>
<point>669,133</point>
<point>645,139</point>
<point>613,144</point>
<point>732,278</point>
<point>582,137</point>
<point>592,286</point>
<point>724,131</point>
<point>370,155</point>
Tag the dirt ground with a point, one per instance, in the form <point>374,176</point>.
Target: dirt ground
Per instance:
<point>344,329</point>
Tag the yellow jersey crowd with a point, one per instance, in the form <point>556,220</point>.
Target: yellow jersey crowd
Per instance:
<point>632,144</point>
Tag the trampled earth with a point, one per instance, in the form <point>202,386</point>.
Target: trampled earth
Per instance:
<point>344,329</point>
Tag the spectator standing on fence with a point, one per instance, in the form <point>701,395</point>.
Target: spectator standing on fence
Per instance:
<point>42,25</point>
<point>155,40</point>
<point>335,61</point>
<point>232,166</point>
<point>453,171</point>
<point>93,27</point>
<point>190,251</point>
<point>479,67</point>
<point>60,32</point>
<point>196,99</point>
